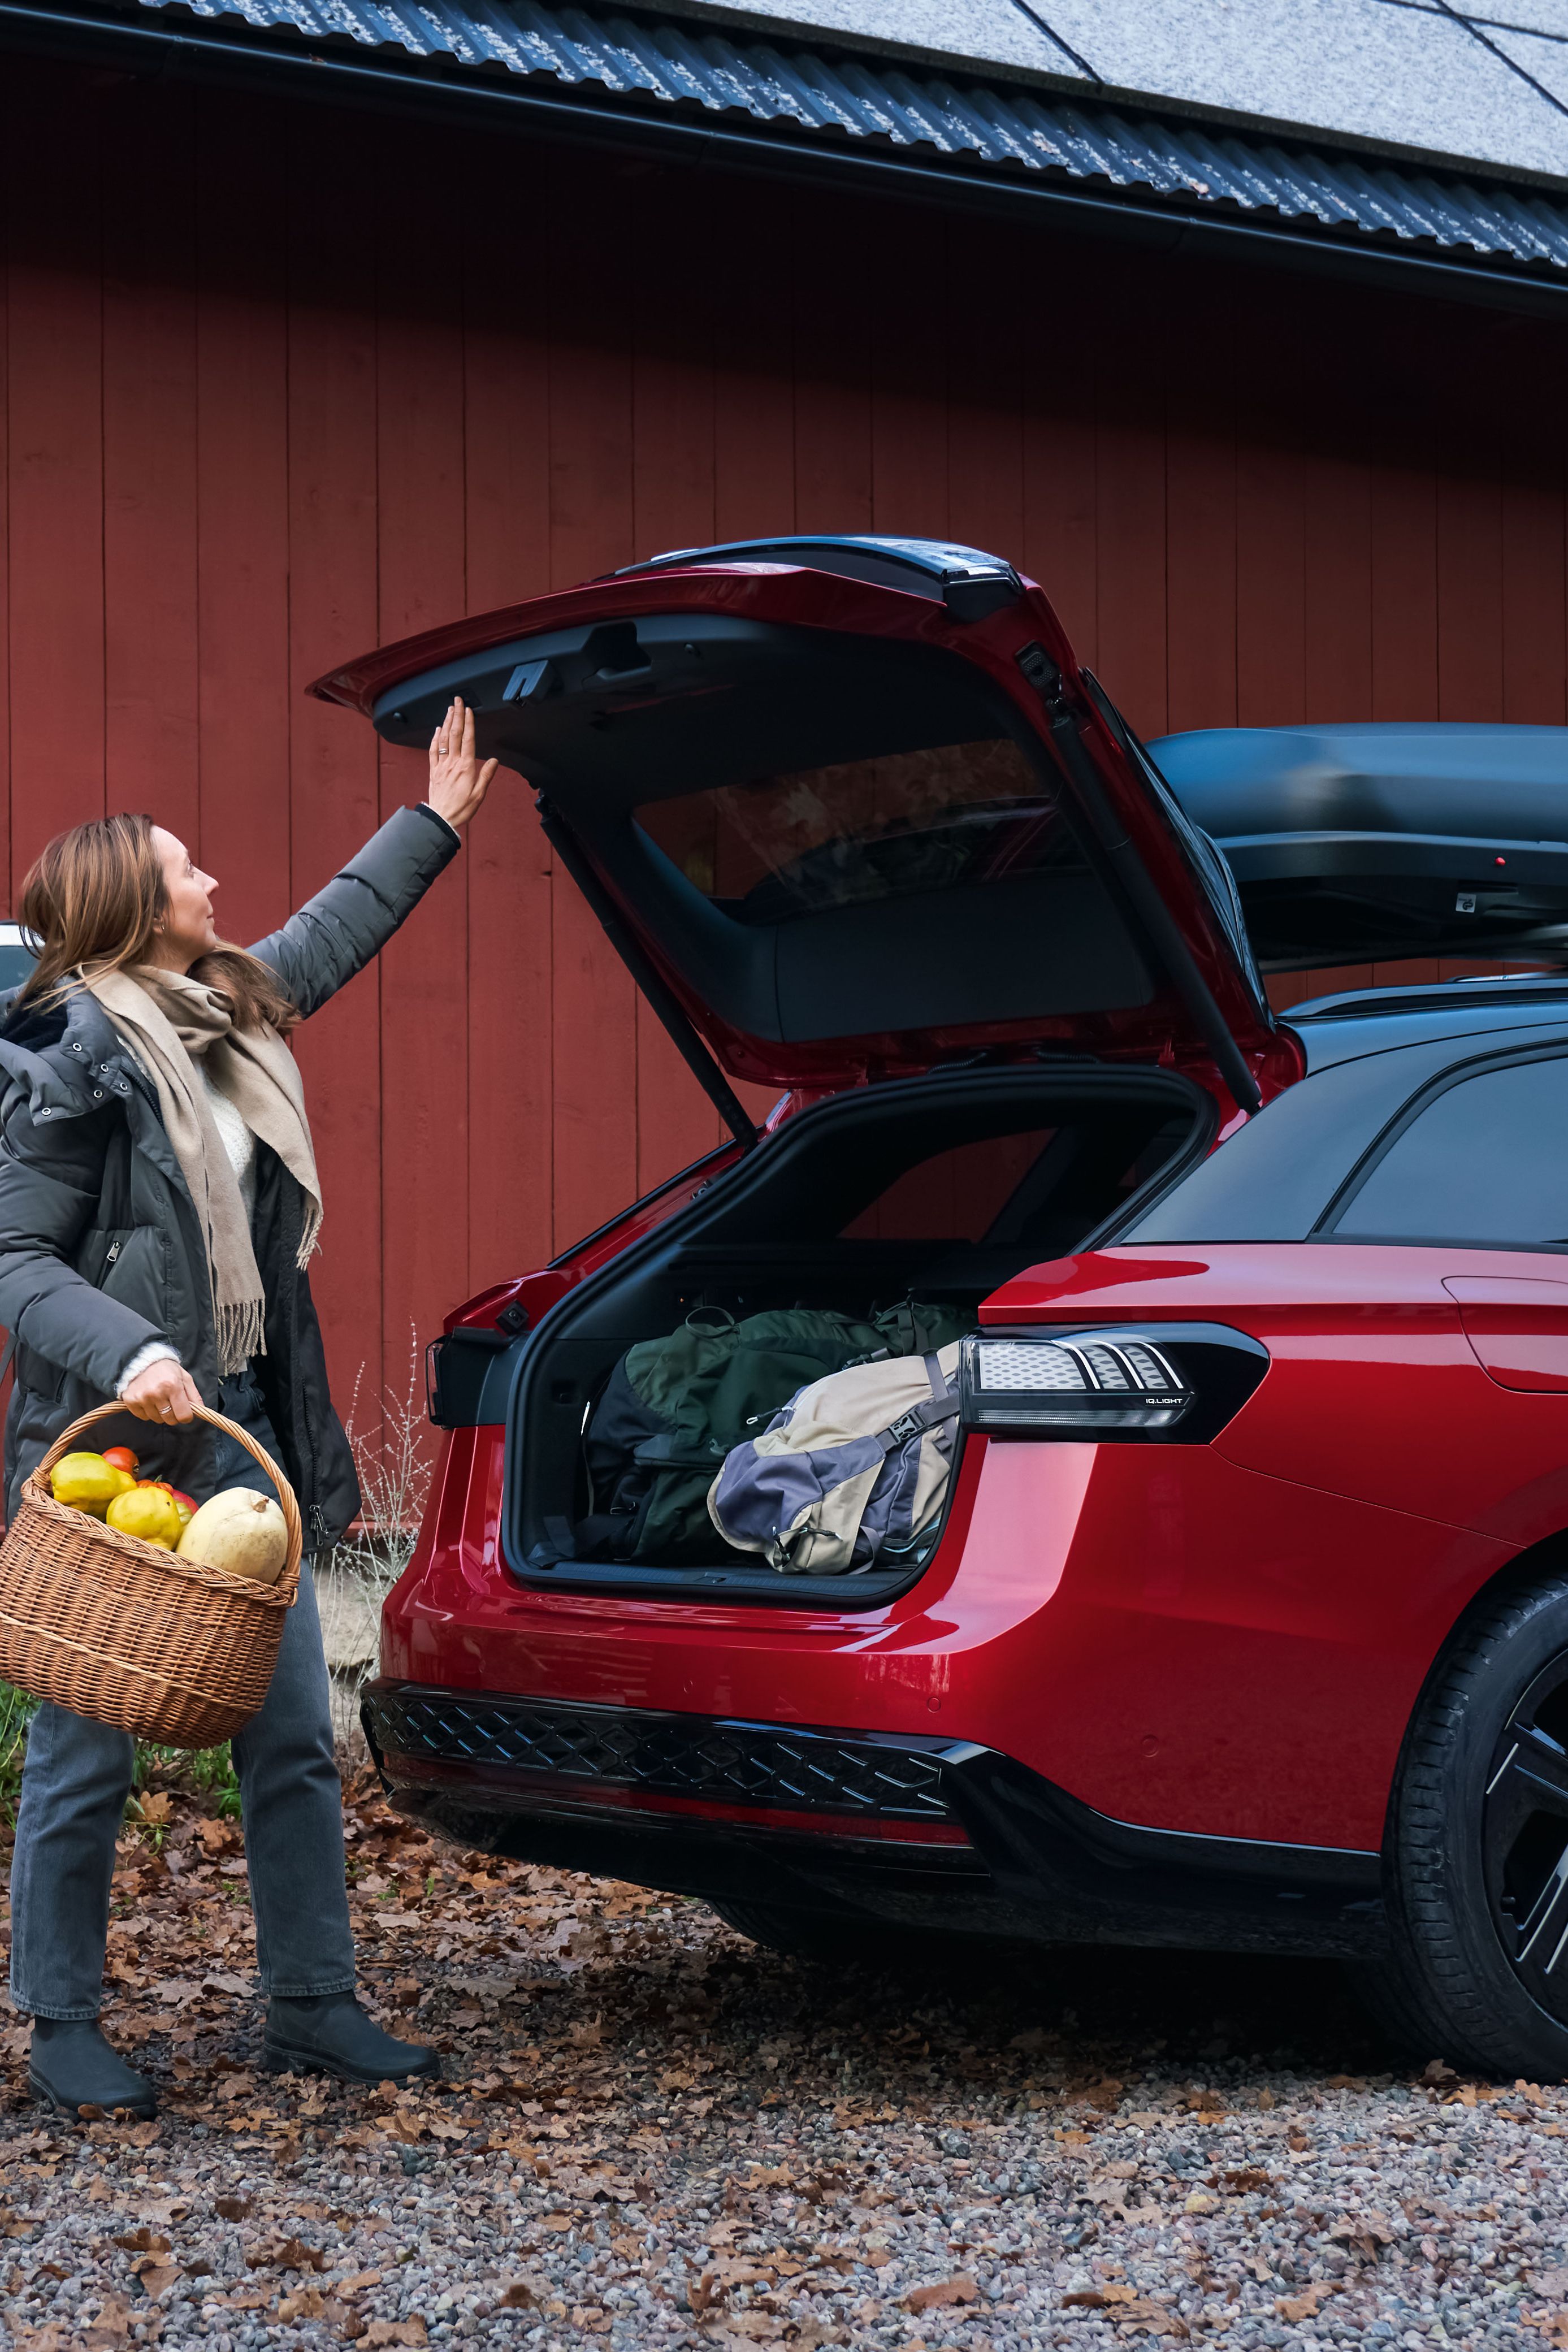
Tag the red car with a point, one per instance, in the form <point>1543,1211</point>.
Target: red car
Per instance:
<point>1257,1640</point>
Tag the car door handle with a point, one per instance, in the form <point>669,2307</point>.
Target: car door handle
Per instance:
<point>1517,1328</point>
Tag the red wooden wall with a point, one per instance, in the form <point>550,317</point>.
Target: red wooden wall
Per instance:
<point>282,383</point>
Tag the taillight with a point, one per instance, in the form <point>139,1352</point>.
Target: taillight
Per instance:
<point>1174,1384</point>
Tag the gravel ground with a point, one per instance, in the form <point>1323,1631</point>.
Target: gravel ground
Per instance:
<point>655,2134</point>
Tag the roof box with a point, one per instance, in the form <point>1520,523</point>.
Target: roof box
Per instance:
<point>1362,844</point>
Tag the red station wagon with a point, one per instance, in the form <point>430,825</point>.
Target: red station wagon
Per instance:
<point>1245,1622</point>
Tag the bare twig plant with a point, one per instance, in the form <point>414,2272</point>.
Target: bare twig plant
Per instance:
<point>394,1457</point>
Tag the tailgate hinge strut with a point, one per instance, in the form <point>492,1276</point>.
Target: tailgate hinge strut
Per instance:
<point>657,990</point>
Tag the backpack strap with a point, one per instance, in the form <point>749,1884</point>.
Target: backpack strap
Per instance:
<point>941,1406</point>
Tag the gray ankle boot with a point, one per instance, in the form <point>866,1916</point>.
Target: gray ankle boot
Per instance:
<point>72,2066</point>
<point>329,2033</point>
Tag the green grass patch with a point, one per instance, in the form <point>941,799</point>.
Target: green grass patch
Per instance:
<point>205,1775</point>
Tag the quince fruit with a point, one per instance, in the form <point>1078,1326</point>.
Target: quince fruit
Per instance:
<point>88,1483</point>
<point>147,1511</point>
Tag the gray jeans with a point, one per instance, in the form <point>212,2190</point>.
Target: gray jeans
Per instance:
<point>74,1786</point>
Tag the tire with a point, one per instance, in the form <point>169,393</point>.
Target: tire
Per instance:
<point>1476,1865</point>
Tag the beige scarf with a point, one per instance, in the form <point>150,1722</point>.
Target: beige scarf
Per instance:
<point>170,1023</point>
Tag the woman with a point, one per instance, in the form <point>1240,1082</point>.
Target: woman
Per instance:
<point>158,1203</point>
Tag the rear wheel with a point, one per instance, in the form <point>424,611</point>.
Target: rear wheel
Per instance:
<point>1477,1880</point>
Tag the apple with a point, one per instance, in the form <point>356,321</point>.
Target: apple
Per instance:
<point>122,1459</point>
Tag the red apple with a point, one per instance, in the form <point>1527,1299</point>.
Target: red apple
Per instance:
<point>122,1459</point>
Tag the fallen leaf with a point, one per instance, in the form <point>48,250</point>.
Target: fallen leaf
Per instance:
<point>962,2288</point>
<point>177,1991</point>
<point>308,2302</point>
<point>156,1807</point>
<point>1367,2233</point>
<point>233,2208</point>
<point>1153,2317</point>
<point>518,2296</point>
<point>143,2241</point>
<point>111,2327</point>
<point>1200,2201</point>
<point>154,2275</point>
<point>395,2331</point>
<point>1242,2182</point>
<point>1295,2307</point>
<point>288,2255</point>
<point>224,1981</point>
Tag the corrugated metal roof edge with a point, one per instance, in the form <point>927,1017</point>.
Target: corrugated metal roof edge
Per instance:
<point>336,68</point>
<point>1160,105</point>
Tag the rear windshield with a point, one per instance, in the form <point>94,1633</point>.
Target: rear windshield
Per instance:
<point>886,827</point>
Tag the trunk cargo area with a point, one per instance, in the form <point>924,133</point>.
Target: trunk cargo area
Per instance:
<point>934,1189</point>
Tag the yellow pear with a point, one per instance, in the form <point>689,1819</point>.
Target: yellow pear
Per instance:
<point>88,1483</point>
<point>148,1512</point>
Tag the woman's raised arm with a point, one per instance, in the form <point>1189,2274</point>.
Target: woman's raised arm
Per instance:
<point>345,925</point>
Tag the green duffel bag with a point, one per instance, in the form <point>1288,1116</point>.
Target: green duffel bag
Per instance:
<point>674,1407</point>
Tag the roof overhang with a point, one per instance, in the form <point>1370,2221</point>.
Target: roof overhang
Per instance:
<point>650,87</point>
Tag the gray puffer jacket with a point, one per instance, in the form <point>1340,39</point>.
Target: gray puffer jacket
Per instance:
<point>100,1246</point>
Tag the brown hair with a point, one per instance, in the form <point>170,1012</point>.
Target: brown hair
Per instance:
<point>93,900</point>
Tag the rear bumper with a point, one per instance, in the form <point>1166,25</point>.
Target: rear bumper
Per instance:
<point>893,1828</point>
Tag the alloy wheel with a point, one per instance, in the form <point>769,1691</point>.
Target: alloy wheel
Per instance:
<point>1524,1833</point>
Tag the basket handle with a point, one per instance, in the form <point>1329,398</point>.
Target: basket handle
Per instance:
<point>258,1455</point>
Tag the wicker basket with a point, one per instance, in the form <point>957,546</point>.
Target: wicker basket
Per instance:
<point>119,1631</point>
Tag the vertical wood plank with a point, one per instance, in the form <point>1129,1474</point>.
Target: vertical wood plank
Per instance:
<point>506,446</point>
<point>1534,555</point>
<point>1469,591</point>
<point>1270,646</point>
<point>593,1075</point>
<point>1060,456</point>
<point>674,465</point>
<point>55,375</point>
<point>754,395</point>
<point>1336,497</point>
<point>1132,652</point>
<point>1404,540</point>
<point>1201,480</point>
<point>834,476</point>
<point>150,441</point>
<point>420,582</point>
<point>243,473</point>
<point>985,393</point>
<point>333,778</point>
<point>909,487</point>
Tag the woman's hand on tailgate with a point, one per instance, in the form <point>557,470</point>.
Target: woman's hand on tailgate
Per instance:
<point>458,781</point>
<point>165,1391</point>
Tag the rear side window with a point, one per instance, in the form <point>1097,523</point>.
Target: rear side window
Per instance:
<point>1484,1158</point>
